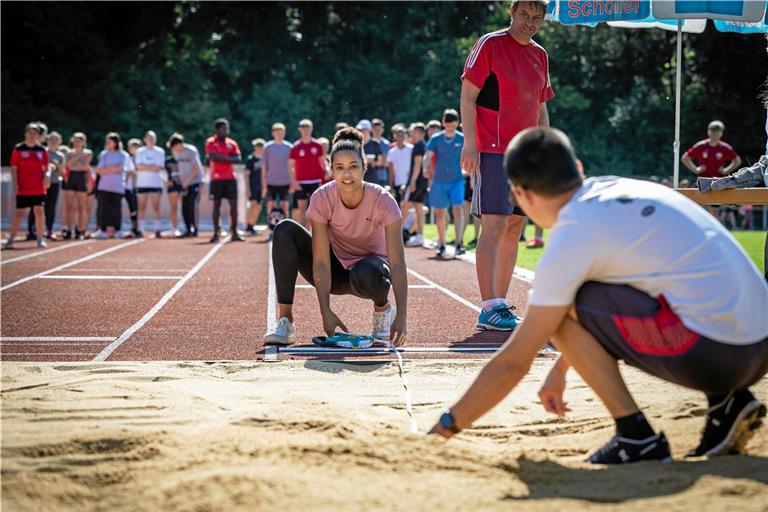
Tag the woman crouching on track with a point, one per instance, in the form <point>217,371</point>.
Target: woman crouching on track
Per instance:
<point>355,248</point>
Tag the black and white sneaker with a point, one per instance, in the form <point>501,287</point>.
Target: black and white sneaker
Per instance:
<point>730,425</point>
<point>622,450</point>
<point>441,252</point>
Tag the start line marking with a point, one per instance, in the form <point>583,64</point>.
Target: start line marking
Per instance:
<point>72,263</point>
<point>56,338</point>
<point>121,278</point>
<point>410,286</point>
<point>270,351</point>
<point>43,253</point>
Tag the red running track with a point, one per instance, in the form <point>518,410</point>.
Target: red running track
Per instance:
<point>185,299</point>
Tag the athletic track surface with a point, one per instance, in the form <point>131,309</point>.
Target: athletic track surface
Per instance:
<point>186,299</point>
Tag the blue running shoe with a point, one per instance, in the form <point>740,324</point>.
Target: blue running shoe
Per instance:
<point>500,318</point>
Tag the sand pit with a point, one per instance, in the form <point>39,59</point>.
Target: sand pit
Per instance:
<point>323,436</point>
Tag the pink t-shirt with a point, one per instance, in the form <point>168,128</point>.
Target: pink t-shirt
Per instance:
<point>358,233</point>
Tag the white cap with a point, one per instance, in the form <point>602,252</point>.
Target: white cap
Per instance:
<point>364,124</point>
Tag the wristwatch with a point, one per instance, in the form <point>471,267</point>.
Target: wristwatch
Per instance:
<point>448,422</point>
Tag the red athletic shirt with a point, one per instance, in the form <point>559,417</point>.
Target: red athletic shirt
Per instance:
<point>31,164</point>
<point>307,157</point>
<point>221,170</point>
<point>514,83</point>
<point>711,157</point>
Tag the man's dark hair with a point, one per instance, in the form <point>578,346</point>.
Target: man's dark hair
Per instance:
<point>450,115</point>
<point>174,139</point>
<point>220,122</point>
<point>542,160</point>
<point>115,137</point>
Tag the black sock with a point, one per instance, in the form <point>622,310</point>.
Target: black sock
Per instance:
<point>715,400</point>
<point>634,426</point>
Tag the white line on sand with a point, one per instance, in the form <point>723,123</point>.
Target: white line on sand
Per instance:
<point>43,253</point>
<point>121,278</point>
<point>270,351</point>
<point>56,338</point>
<point>104,354</point>
<point>72,263</point>
<point>433,350</point>
<point>169,270</point>
<point>445,290</point>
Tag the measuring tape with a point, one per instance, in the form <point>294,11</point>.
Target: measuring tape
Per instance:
<point>408,398</point>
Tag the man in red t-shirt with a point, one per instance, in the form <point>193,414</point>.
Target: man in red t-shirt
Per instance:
<point>29,163</point>
<point>505,87</point>
<point>306,168</point>
<point>222,152</point>
<point>712,154</point>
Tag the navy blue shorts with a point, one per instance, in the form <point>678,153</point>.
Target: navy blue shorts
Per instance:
<point>492,194</point>
<point>645,333</point>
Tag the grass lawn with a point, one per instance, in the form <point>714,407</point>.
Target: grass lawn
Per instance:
<point>752,242</point>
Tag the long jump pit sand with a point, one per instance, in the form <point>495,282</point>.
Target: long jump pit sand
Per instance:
<point>317,435</point>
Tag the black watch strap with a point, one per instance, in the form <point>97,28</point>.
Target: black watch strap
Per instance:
<point>448,422</point>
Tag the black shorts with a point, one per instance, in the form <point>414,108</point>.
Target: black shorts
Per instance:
<point>305,193</point>
<point>175,187</point>
<point>468,189</point>
<point>399,193</point>
<point>420,195</point>
<point>492,195</point>
<point>30,201</point>
<point>277,192</point>
<point>224,189</point>
<point>647,334</point>
<point>149,190</point>
<point>77,181</point>
<point>254,187</point>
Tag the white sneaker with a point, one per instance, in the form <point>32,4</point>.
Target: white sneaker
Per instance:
<point>283,334</point>
<point>41,243</point>
<point>100,235</point>
<point>8,244</point>
<point>177,233</point>
<point>118,234</point>
<point>382,322</point>
<point>415,241</point>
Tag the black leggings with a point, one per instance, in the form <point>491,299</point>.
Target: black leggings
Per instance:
<point>189,202</point>
<point>292,254</point>
<point>109,213</point>
<point>51,197</point>
<point>133,207</point>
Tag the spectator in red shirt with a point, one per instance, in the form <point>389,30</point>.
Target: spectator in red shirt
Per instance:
<point>306,168</point>
<point>712,154</point>
<point>29,165</point>
<point>505,89</point>
<point>222,152</point>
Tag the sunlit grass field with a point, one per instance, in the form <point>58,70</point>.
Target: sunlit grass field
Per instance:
<point>752,242</point>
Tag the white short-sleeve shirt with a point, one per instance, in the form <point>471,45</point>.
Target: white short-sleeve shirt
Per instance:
<point>146,156</point>
<point>645,235</point>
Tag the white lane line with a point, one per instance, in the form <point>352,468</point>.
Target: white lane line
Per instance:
<point>72,263</point>
<point>432,350</point>
<point>104,354</point>
<point>522,274</point>
<point>43,253</point>
<point>65,344</point>
<point>169,270</point>
<point>47,354</point>
<point>270,351</point>
<point>410,286</point>
<point>122,278</point>
<point>445,290</point>
<point>56,338</point>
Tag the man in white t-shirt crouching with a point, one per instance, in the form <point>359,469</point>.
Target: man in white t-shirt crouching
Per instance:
<point>633,271</point>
